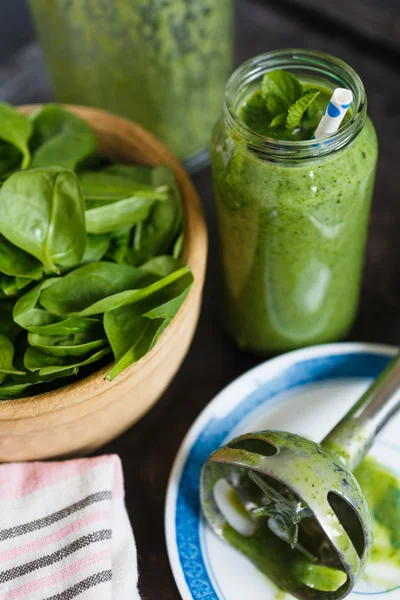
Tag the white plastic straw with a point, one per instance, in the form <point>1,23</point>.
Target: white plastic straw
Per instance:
<point>335,112</point>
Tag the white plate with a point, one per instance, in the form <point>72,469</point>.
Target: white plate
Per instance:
<point>305,392</point>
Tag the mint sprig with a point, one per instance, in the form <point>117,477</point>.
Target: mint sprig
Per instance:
<point>286,100</point>
<point>280,90</point>
<point>297,110</point>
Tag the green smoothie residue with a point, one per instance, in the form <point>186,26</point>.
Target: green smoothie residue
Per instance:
<point>285,108</point>
<point>382,491</point>
<point>277,561</point>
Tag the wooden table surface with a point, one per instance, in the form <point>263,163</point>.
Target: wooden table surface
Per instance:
<point>147,450</point>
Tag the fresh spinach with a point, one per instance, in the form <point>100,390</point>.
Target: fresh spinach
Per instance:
<point>64,299</point>
<point>113,216</point>
<point>47,365</point>
<point>119,245</point>
<point>42,212</point>
<point>132,335</point>
<point>105,186</point>
<point>16,129</point>
<point>156,234</point>
<point>96,248</point>
<point>10,160</point>
<point>137,174</point>
<point>89,260</point>
<point>67,345</point>
<point>89,285</point>
<point>6,358</point>
<point>60,138</point>
<point>8,326</point>
<point>17,263</point>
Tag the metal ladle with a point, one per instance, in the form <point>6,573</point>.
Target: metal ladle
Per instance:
<point>302,495</point>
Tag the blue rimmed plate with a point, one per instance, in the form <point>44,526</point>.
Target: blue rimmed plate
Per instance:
<point>306,392</point>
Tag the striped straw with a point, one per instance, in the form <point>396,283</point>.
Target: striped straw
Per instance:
<point>335,112</point>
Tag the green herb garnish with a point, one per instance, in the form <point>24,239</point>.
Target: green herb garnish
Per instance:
<point>278,108</point>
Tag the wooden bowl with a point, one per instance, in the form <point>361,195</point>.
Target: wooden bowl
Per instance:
<point>81,417</point>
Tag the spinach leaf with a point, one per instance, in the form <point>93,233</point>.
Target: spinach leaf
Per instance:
<point>105,186</point>
<point>134,295</point>
<point>26,312</point>
<point>89,285</point>
<point>66,326</point>
<point>162,265</point>
<point>10,159</point>
<point>16,129</point>
<point>15,386</point>
<point>9,287</point>
<point>6,358</point>
<point>140,337</point>
<point>60,138</point>
<point>22,282</point>
<point>13,389</point>
<point>96,248</point>
<point>178,245</point>
<point>17,263</point>
<point>137,174</point>
<point>132,335</point>
<point>67,345</point>
<point>47,365</point>
<point>157,234</point>
<point>119,245</point>
<point>42,212</point>
<point>113,216</point>
<point>168,310</point>
<point>7,325</point>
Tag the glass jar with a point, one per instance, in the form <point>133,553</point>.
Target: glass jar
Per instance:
<point>162,63</point>
<point>292,215</point>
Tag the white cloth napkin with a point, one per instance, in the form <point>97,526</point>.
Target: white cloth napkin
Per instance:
<point>65,532</point>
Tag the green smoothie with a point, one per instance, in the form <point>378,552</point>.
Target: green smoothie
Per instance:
<point>292,213</point>
<point>163,63</point>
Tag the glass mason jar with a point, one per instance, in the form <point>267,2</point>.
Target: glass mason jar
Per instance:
<point>292,215</point>
<point>162,63</point>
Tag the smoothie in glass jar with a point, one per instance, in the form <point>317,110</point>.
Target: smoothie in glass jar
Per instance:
<point>162,63</point>
<point>292,212</point>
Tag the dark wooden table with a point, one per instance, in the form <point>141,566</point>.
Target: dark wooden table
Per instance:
<point>147,450</point>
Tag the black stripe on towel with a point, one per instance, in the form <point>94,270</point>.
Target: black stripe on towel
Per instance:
<point>12,532</point>
<point>83,585</point>
<point>51,559</point>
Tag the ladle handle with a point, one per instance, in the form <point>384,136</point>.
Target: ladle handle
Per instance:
<point>353,436</point>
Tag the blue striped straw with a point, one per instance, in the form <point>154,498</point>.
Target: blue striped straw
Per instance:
<point>335,112</point>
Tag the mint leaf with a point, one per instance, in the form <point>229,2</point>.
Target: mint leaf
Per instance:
<point>278,120</point>
<point>297,110</point>
<point>275,105</point>
<point>280,90</point>
<point>255,114</point>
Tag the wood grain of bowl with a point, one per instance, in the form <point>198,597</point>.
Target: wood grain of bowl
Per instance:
<point>81,417</point>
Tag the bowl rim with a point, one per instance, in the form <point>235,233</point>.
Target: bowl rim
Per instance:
<point>194,253</point>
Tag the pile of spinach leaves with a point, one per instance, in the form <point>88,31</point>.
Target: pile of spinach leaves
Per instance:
<point>89,253</point>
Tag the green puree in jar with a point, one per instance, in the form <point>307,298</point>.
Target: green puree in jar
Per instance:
<point>382,491</point>
<point>292,232</point>
<point>163,63</point>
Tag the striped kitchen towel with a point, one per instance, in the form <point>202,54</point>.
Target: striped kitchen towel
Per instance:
<point>65,532</point>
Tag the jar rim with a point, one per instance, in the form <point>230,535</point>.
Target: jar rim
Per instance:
<point>293,59</point>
